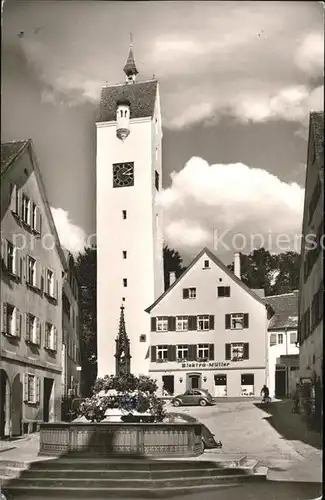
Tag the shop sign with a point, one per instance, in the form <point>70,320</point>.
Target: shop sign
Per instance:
<point>208,364</point>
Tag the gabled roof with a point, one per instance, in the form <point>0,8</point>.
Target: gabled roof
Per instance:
<point>222,266</point>
<point>141,96</point>
<point>9,152</point>
<point>285,308</point>
<point>12,151</point>
<point>317,126</point>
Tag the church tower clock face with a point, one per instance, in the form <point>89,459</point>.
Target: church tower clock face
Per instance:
<point>123,174</point>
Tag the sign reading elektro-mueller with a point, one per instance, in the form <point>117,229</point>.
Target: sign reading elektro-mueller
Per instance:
<point>208,364</point>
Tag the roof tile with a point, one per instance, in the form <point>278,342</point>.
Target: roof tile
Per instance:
<point>141,95</point>
<point>10,151</point>
<point>286,310</point>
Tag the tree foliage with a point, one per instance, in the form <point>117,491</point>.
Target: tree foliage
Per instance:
<point>173,262</point>
<point>275,273</point>
<point>86,266</point>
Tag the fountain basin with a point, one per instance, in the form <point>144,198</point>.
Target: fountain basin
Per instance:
<point>163,439</point>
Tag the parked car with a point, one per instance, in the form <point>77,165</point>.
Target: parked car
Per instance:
<point>208,439</point>
<point>192,398</point>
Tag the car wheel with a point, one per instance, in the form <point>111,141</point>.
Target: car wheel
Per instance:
<point>203,444</point>
<point>202,402</point>
<point>176,402</point>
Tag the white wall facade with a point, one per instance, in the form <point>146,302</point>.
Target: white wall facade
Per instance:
<point>140,234</point>
<point>207,302</point>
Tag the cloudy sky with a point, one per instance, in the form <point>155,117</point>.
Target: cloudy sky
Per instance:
<point>237,81</point>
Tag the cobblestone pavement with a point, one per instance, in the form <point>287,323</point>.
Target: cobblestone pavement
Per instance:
<point>244,428</point>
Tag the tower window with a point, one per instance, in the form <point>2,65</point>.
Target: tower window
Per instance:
<point>124,214</point>
<point>125,282</point>
<point>124,254</point>
<point>157,180</point>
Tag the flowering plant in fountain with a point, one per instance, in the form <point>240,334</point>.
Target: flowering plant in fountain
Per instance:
<point>129,394</point>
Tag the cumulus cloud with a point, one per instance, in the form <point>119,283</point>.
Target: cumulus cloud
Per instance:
<point>213,59</point>
<point>226,207</point>
<point>71,236</point>
<point>310,54</point>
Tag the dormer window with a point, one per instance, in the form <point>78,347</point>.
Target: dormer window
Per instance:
<point>122,119</point>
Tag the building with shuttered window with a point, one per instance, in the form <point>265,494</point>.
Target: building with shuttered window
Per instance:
<point>311,287</point>
<point>283,353</point>
<point>32,268</point>
<point>209,331</point>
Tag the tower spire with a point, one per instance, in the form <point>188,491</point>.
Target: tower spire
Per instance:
<point>122,354</point>
<point>130,68</point>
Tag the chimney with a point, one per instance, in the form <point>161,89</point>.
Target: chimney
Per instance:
<point>237,265</point>
<point>172,277</point>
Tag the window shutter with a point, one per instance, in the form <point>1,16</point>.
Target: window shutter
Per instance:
<point>25,387</point>
<point>38,331</point>
<point>13,197</point>
<point>273,339</point>
<point>17,262</point>
<point>27,269</point>
<point>246,351</point>
<point>171,353</point>
<point>38,219</point>
<point>228,351</point>
<point>27,323</point>
<point>192,323</point>
<point>55,339</point>
<point>17,322</point>
<point>227,321</point>
<point>293,337</point>
<point>37,389</point>
<point>192,352</point>
<point>46,335</point>
<point>38,270</point>
<point>211,326</point>
<point>4,324</point>
<point>246,321</point>
<point>185,293</point>
<point>56,289</point>
<point>211,352</point>
<point>4,251</point>
<point>153,353</point>
<point>171,323</point>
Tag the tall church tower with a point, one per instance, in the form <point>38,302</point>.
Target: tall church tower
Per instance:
<point>129,222</point>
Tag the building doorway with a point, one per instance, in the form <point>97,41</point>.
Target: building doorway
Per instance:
<point>220,386</point>
<point>4,405</point>
<point>168,385</point>
<point>17,406</point>
<point>47,392</point>
<point>193,381</point>
<point>280,382</point>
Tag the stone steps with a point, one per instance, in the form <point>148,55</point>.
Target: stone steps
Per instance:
<point>93,482</point>
<point>104,493</point>
<point>100,478</point>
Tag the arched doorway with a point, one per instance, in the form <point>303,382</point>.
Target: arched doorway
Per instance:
<point>17,403</point>
<point>193,381</point>
<point>4,404</point>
